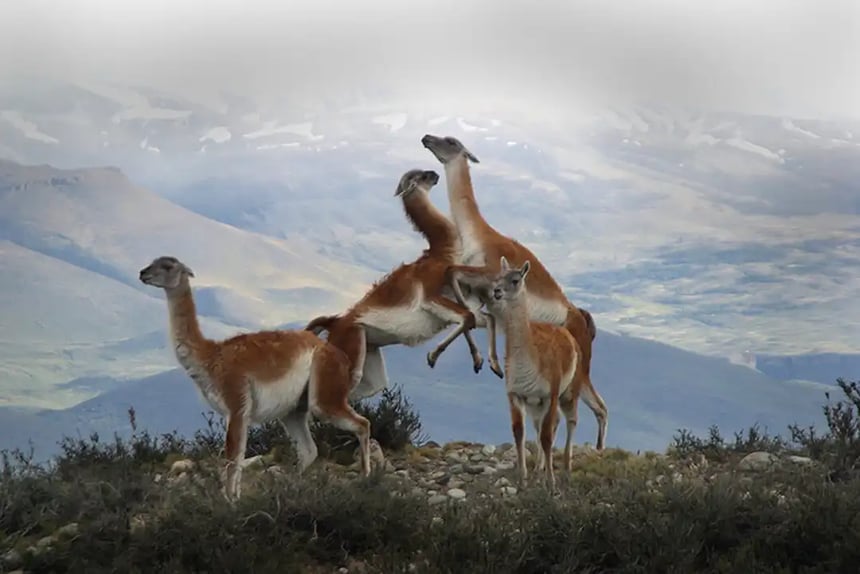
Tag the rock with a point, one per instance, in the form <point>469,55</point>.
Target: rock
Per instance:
<point>437,520</point>
<point>431,444</point>
<point>12,559</point>
<point>757,461</point>
<point>436,499</point>
<point>180,466</point>
<point>804,460</point>
<point>503,482</point>
<point>70,530</point>
<point>508,490</point>
<point>377,457</point>
<point>505,446</point>
<point>402,473</point>
<point>276,470</point>
<point>477,458</point>
<point>388,466</point>
<point>456,493</point>
<point>455,483</point>
<point>343,570</point>
<point>505,465</point>
<point>456,468</point>
<point>475,469</point>
<point>490,470</point>
<point>253,462</point>
<point>157,478</point>
<point>488,450</point>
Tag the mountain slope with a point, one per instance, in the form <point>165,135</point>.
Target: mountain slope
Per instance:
<point>72,244</point>
<point>651,390</point>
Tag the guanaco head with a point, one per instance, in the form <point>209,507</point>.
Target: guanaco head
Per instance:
<point>509,283</point>
<point>416,179</point>
<point>447,149</point>
<point>166,272</point>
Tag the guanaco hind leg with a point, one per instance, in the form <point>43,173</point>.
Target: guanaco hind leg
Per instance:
<point>328,394</point>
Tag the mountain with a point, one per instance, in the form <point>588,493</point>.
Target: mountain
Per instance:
<point>71,245</point>
<point>716,233</point>
<point>651,389</point>
<point>818,367</point>
<point>719,232</point>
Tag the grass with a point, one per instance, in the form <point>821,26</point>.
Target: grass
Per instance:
<point>689,510</point>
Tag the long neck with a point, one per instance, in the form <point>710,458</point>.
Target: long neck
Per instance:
<point>184,328</point>
<point>461,196</point>
<point>516,326</point>
<point>440,233</point>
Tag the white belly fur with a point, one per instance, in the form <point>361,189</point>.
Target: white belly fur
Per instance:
<point>547,311</point>
<point>409,324</point>
<point>272,399</point>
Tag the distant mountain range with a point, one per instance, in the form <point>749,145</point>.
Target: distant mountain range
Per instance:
<point>652,390</point>
<point>717,234</point>
<point>71,245</point>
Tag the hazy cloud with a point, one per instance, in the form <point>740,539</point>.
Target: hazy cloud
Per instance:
<point>777,56</point>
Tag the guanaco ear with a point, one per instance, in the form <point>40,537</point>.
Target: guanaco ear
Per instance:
<point>524,270</point>
<point>187,270</point>
<point>470,156</point>
<point>401,190</point>
<point>503,263</point>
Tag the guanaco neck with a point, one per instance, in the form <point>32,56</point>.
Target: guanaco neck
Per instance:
<point>515,319</point>
<point>461,196</point>
<point>184,327</point>
<point>427,220</point>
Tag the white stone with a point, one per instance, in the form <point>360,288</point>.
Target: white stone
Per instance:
<point>457,493</point>
<point>488,450</point>
<point>181,466</point>
<point>757,461</point>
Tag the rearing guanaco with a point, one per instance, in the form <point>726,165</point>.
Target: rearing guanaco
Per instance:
<point>411,304</point>
<point>482,247</point>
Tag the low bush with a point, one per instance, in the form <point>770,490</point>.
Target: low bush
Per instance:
<point>616,513</point>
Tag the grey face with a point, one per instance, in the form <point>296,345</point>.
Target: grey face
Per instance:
<point>166,272</point>
<point>416,179</point>
<point>447,149</point>
<point>509,283</point>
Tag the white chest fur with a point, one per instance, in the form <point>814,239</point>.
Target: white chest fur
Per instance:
<point>523,378</point>
<point>201,378</point>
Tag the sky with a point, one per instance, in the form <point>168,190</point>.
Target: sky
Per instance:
<point>789,57</point>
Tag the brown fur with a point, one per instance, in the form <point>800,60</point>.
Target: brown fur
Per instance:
<point>429,271</point>
<point>541,284</point>
<point>226,371</point>
<point>537,354</point>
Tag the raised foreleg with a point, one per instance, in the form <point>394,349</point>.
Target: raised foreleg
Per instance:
<point>477,278</point>
<point>490,322</point>
<point>451,312</point>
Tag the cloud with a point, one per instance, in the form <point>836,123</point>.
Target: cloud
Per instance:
<point>778,56</point>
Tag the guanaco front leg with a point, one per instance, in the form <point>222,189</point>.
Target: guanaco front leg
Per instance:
<point>449,310</point>
<point>491,336</point>
<point>477,278</point>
